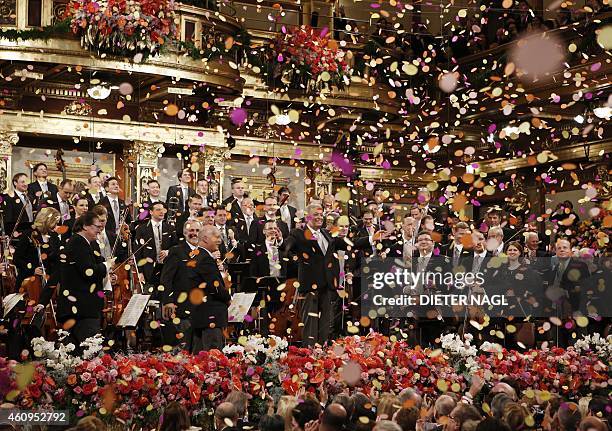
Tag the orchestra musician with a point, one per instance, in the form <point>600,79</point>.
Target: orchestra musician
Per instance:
<point>270,211</point>
<point>154,195</point>
<point>152,242</point>
<point>94,190</point>
<point>61,202</point>
<point>18,207</point>
<point>209,317</point>
<point>246,227</point>
<point>40,189</point>
<point>177,281</point>
<point>82,274</point>
<point>40,245</point>
<point>234,203</point>
<point>286,212</point>
<point>115,206</point>
<point>266,259</point>
<point>194,208</point>
<point>228,235</point>
<point>202,190</point>
<point>181,191</point>
<point>455,250</point>
<point>315,250</point>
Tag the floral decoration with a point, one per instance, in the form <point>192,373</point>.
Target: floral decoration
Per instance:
<point>130,28</point>
<point>134,388</point>
<point>309,59</point>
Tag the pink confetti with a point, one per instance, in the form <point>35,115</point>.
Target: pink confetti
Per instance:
<point>238,116</point>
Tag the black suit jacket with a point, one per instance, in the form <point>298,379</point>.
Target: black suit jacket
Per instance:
<point>233,206</point>
<point>260,264</point>
<point>177,192</point>
<point>82,273</point>
<point>292,213</point>
<point>259,224</point>
<point>212,312</point>
<point>111,225</point>
<point>573,278</point>
<point>314,267</point>
<point>448,250</point>
<point>26,257</point>
<point>37,196</point>
<point>54,203</point>
<point>144,242</point>
<point>247,237</point>
<point>178,277</point>
<point>90,200</point>
<point>12,208</point>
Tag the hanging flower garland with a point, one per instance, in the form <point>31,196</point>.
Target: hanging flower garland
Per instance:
<point>309,60</point>
<point>128,28</point>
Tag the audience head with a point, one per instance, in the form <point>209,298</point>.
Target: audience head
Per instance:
<point>240,400</point>
<point>492,424</point>
<point>90,423</point>
<point>225,415</point>
<point>174,418</point>
<point>386,425</point>
<point>443,406</point>
<point>271,423</point>
<point>333,418</point>
<point>238,188</point>
<point>305,411</point>
<point>568,417</point>
<point>406,418</point>
<point>515,415</point>
<point>591,423</point>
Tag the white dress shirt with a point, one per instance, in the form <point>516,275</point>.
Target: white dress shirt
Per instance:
<point>273,259</point>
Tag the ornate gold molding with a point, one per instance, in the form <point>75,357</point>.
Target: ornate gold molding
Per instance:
<point>7,141</point>
<point>70,52</point>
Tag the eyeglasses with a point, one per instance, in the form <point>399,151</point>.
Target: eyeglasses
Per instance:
<point>98,226</point>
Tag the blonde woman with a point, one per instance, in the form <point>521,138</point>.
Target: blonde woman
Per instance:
<point>285,407</point>
<point>39,247</point>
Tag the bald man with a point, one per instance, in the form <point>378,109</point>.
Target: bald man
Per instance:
<point>209,315</point>
<point>226,417</point>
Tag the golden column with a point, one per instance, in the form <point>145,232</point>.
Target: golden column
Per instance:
<point>7,141</point>
<point>141,165</point>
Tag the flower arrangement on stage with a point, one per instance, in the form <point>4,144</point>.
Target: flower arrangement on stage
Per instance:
<point>130,28</point>
<point>309,59</point>
<point>134,388</point>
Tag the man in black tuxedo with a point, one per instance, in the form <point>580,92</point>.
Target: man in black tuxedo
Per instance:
<point>286,212</point>
<point>41,190</point>
<point>478,259</point>
<point>566,279</point>
<point>401,244</point>
<point>17,206</point>
<point>62,202</point>
<point>234,203</point>
<point>318,273</point>
<point>228,235</point>
<point>178,279</point>
<point>424,261</point>
<point>181,191</point>
<point>95,192</point>
<point>270,211</point>
<point>209,316</point>
<point>82,272</point>
<point>194,209</point>
<point>382,211</point>
<point>115,206</point>
<point>266,259</point>
<point>152,242</point>
<point>246,227</point>
<point>455,249</point>
<point>427,207</point>
<point>538,257</point>
<point>154,195</point>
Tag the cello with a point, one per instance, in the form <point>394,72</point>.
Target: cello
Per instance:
<point>33,287</point>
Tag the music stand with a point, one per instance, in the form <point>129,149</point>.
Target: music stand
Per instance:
<point>264,286</point>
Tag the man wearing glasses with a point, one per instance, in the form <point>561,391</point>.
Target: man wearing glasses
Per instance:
<point>82,272</point>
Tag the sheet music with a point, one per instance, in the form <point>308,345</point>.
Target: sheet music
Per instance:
<point>133,311</point>
<point>240,306</point>
<point>10,301</point>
